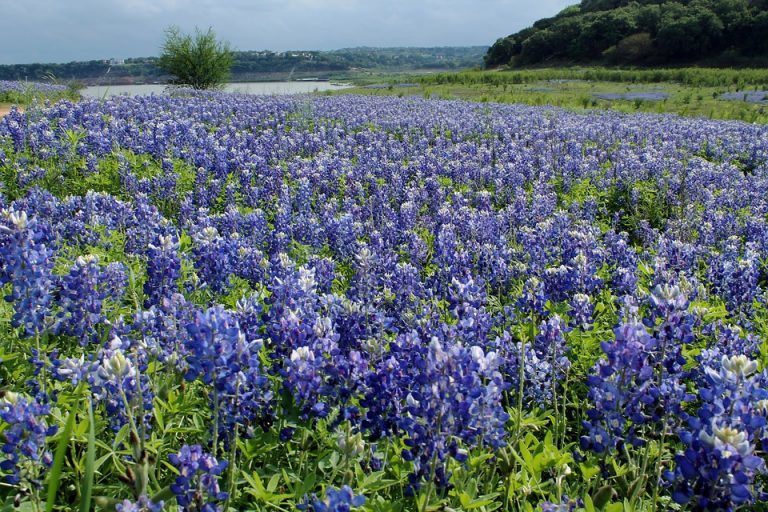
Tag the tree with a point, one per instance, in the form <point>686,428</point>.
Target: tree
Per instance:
<point>693,35</point>
<point>631,50</point>
<point>199,61</point>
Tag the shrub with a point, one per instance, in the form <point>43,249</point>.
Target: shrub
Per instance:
<point>199,61</point>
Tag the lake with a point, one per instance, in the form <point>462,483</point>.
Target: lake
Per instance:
<point>100,91</point>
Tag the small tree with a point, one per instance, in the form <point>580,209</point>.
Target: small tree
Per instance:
<point>199,61</point>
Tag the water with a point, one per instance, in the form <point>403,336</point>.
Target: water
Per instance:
<point>748,96</point>
<point>100,91</point>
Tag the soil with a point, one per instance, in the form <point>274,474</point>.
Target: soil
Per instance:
<point>4,109</point>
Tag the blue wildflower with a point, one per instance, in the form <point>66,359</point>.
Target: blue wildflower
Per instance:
<point>24,439</point>
<point>336,500</point>
<point>197,487</point>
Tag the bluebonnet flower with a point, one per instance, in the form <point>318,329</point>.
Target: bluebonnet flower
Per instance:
<point>364,283</point>
<point>468,301</point>
<point>317,341</point>
<point>581,311</point>
<point>116,382</point>
<point>143,226</point>
<point>27,263</point>
<point>250,314</point>
<point>325,272</point>
<point>24,452</point>
<point>533,298</point>
<point>550,344</point>
<point>438,396</point>
<point>143,504</point>
<point>250,264</point>
<point>566,505</point>
<point>734,274</point>
<point>82,293</point>
<point>726,340</point>
<point>213,257</point>
<point>335,500</point>
<point>218,353</point>
<point>197,487</point>
<point>578,276</point>
<point>163,269</point>
<point>117,378</point>
<point>322,374</point>
<point>720,465</point>
<point>161,330</point>
<point>303,376</point>
<point>640,381</point>
<point>393,210</point>
<point>544,361</point>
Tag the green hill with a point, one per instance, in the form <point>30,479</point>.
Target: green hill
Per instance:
<point>262,65</point>
<point>645,32</point>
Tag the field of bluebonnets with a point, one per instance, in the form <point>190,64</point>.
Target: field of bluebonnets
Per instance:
<point>26,92</point>
<point>223,302</point>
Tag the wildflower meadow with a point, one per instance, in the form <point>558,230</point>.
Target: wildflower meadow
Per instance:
<point>220,302</point>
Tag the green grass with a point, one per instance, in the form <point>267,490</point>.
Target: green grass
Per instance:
<point>693,77</point>
<point>30,95</point>
<point>692,92</point>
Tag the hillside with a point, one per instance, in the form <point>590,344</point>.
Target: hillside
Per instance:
<point>261,65</point>
<point>645,32</point>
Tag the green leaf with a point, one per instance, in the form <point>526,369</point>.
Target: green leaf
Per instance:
<point>273,482</point>
<point>54,478</point>
<point>588,471</point>
<point>588,505</point>
<point>467,503</point>
<point>602,496</point>
<point>86,490</point>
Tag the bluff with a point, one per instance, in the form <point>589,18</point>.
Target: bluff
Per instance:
<point>641,33</point>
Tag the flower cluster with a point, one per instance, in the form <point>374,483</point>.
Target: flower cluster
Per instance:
<point>218,353</point>
<point>640,381</point>
<point>336,500</point>
<point>81,298</point>
<point>27,263</point>
<point>24,436</point>
<point>197,486</point>
<point>442,396</point>
<point>720,464</point>
<point>163,270</point>
<point>143,504</point>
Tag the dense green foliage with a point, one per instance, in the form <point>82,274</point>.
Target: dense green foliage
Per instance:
<point>649,32</point>
<point>199,61</point>
<point>255,65</point>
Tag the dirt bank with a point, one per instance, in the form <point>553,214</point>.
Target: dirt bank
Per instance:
<point>4,109</point>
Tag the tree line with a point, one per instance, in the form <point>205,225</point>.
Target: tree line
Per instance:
<point>247,64</point>
<point>644,32</point>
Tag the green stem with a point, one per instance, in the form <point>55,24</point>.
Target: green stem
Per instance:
<point>232,470</point>
<point>659,467</point>
<point>430,483</point>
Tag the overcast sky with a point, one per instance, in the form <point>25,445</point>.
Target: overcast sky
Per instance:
<point>67,30</point>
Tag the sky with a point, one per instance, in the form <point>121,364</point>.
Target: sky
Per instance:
<point>69,30</point>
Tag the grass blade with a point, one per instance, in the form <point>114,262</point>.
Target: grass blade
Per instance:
<point>86,489</point>
<point>54,478</point>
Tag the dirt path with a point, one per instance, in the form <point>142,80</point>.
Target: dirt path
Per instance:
<point>4,109</point>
